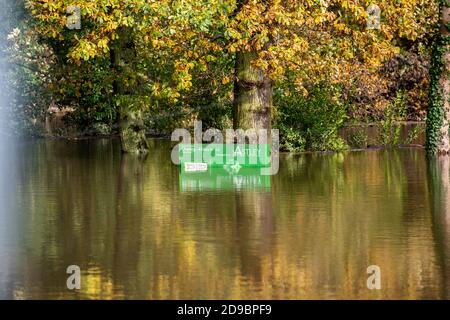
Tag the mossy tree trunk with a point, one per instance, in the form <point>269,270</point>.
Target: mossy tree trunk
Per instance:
<point>132,131</point>
<point>252,95</point>
<point>131,123</point>
<point>438,118</point>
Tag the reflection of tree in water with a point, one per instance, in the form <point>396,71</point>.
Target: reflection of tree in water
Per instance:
<point>349,211</point>
<point>254,231</point>
<point>132,233</point>
<point>59,192</point>
<point>128,219</point>
<point>439,184</point>
<point>8,219</point>
<point>135,235</point>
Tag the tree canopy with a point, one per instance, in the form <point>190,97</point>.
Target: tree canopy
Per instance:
<point>311,38</point>
<point>170,56</point>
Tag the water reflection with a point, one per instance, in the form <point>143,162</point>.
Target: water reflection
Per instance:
<point>439,181</point>
<point>8,218</point>
<point>135,232</point>
<point>217,178</point>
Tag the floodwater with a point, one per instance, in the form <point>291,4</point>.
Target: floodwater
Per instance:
<point>141,229</point>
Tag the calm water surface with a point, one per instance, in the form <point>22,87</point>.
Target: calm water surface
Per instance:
<point>141,229</point>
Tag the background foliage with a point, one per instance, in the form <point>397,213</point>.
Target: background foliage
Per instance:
<point>178,62</point>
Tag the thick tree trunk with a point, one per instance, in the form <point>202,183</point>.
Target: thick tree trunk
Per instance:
<point>132,131</point>
<point>438,119</point>
<point>131,123</point>
<point>444,82</point>
<point>252,95</point>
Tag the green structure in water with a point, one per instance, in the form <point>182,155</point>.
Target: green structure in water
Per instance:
<point>223,166</point>
<point>227,178</point>
<point>225,155</point>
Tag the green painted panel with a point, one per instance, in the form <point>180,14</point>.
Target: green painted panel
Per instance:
<point>218,155</point>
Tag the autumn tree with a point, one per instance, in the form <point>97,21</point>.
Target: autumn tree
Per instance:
<point>110,29</point>
<point>313,40</point>
<point>270,39</point>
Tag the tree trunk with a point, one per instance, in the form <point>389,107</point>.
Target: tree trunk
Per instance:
<point>438,118</point>
<point>132,131</point>
<point>252,95</point>
<point>131,123</point>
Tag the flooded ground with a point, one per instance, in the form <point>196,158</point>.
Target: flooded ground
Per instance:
<point>142,229</point>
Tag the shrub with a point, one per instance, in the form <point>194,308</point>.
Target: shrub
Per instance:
<point>310,122</point>
<point>390,128</point>
<point>358,137</point>
<point>29,77</point>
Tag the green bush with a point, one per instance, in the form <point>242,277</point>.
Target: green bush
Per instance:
<point>28,78</point>
<point>311,122</point>
<point>358,137</point>
<point>390,128</point>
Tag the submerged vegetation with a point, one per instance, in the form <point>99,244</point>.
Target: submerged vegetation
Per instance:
<point>308,68</point>
<point>390,127</point>
<point>312,122</point>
